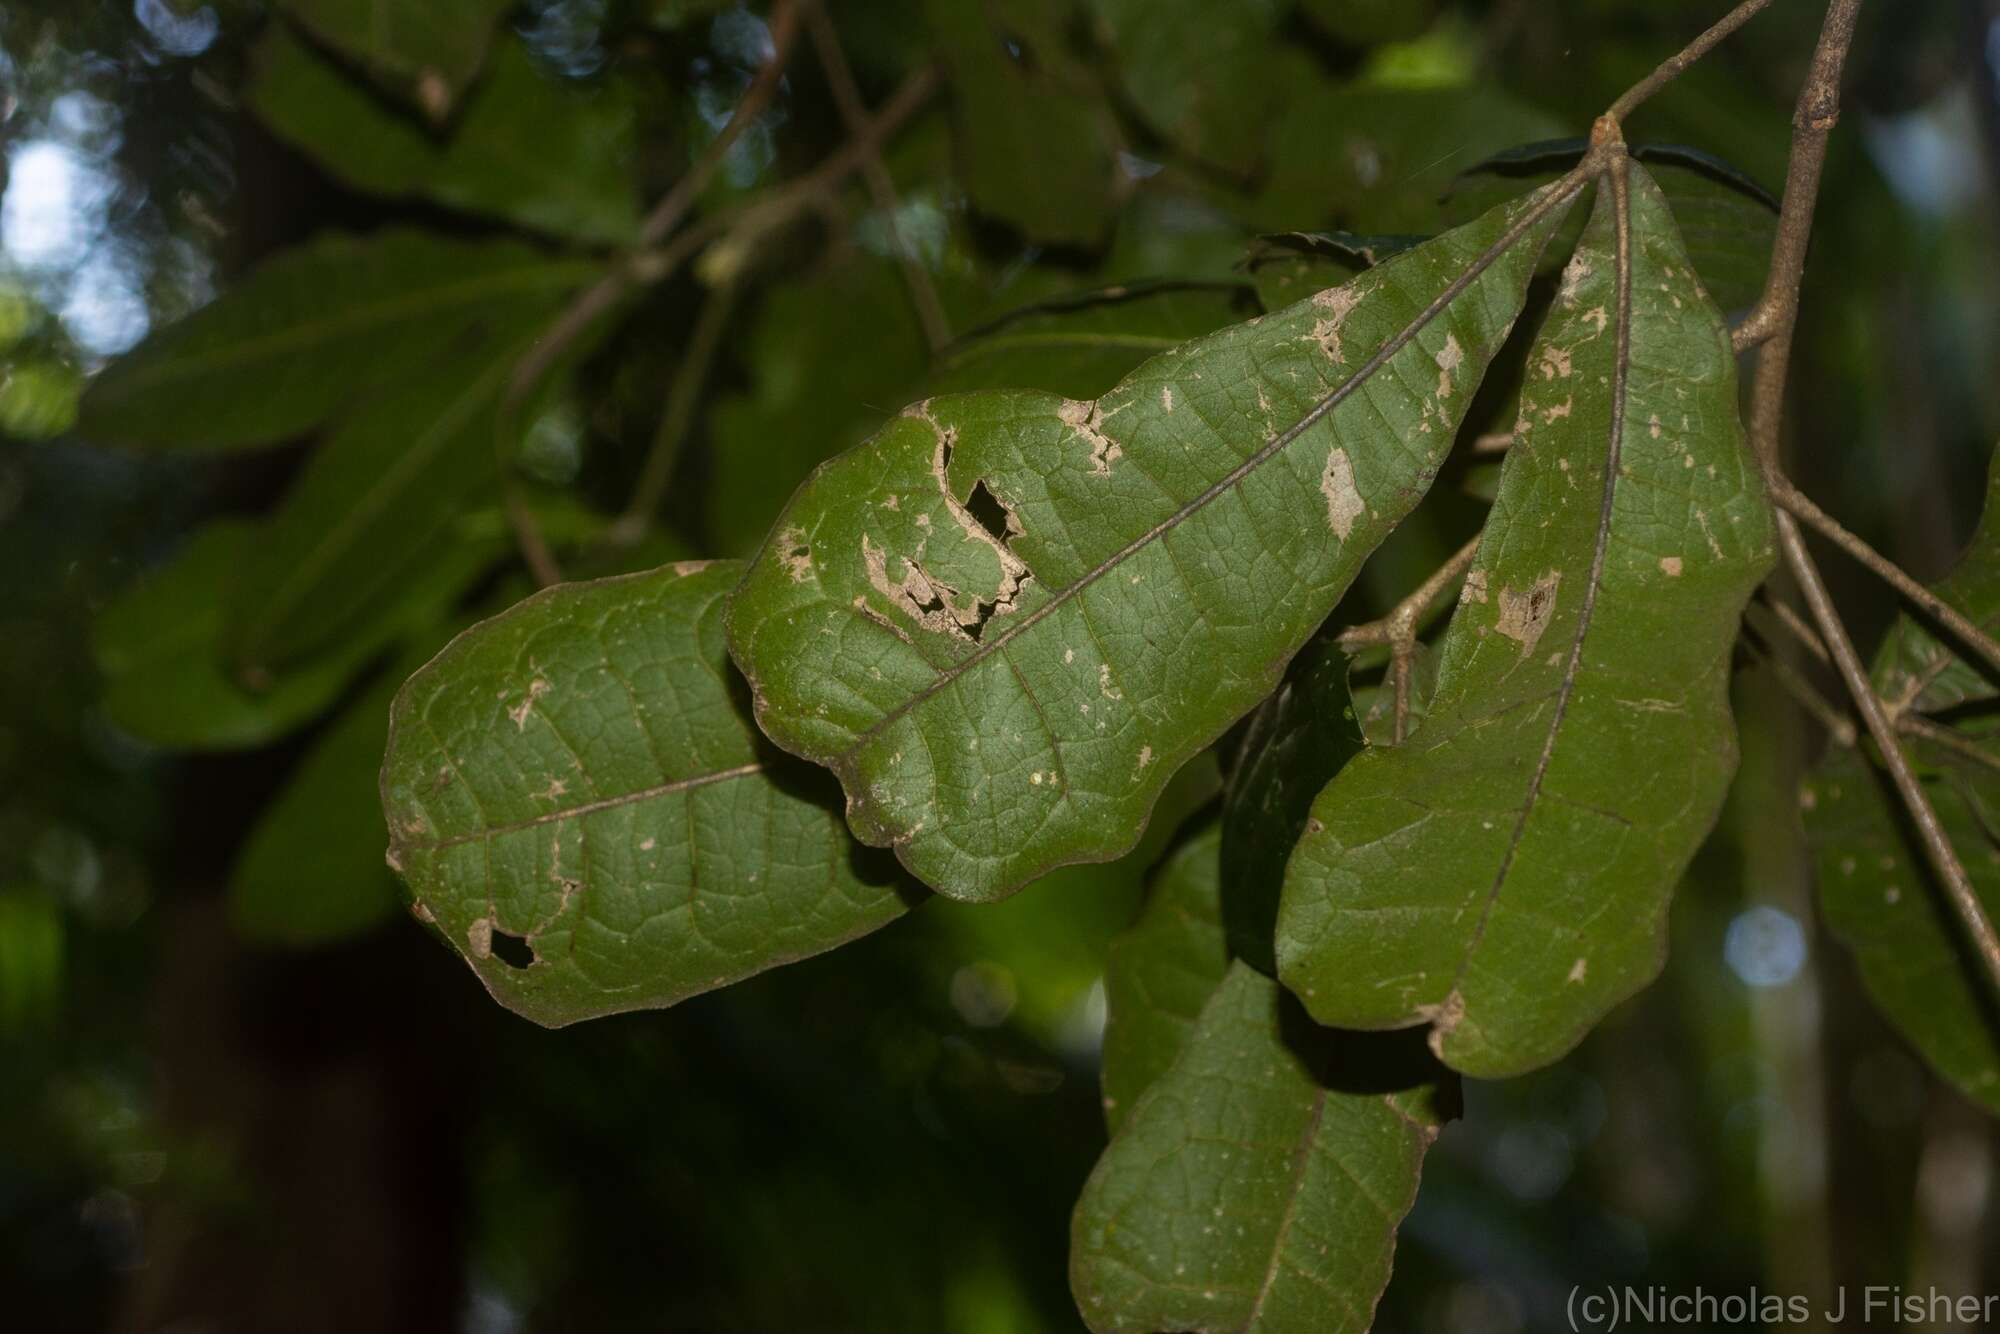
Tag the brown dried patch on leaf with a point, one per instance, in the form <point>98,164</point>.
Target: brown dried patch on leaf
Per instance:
<point>1525,613</point>
<point>1343,502</point>
<point>1338,303</point>
<point>1087,420</point>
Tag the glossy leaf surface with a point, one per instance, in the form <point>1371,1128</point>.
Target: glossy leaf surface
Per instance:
<point>1504,875</point>
<point>1010,617</point>
<point>1258,1183</point>
<point>578,801</point>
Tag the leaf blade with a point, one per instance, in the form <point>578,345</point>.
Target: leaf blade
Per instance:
<point>851,558</point>
<point>1510,904</point>
<point>714,861</point>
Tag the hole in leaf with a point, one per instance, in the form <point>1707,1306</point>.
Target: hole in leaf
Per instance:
<point>993,516</point>
<point>514,951</point>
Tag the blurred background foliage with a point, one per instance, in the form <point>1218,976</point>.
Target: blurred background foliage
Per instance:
<point>242,1092</point>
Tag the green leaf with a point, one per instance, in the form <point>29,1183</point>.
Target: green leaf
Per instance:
<point>1295,743</point>
<point>1082,344</point>
<point>376,503</point>
<point>1160,972</point>
<point>1290,266</point>
<point>427,52</point>
<point>1010,617</point>
<point>578,779</point>
<point>1258,1184</point>
<point>311,872</point>
<point>1504,875</point>
<point>297,340</point>
<point>1200,73</point>
<point>1033,129</point>
<point>1876,887</point>
<point>525,148</point>
<point>167,677</point>
<point>1369,22</point>
<point>1727,220</point>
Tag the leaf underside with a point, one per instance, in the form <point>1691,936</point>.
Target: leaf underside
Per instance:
<point>1258,1183</point>
<point>1007,619</point>
<point>1504,875</point>
<point>578,779</point>
<point>1876,887</point>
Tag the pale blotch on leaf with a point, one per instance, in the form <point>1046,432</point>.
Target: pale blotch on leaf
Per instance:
<point>1526,612</point>
<point>1343,502</point>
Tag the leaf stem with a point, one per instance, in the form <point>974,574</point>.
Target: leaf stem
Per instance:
<point>1399,629</point>
<point>1824,711</point>
<point>1818,110</point>
<point>847,98</point>
<point>1673,66</point>
<point>1915,724</point>
<point>1961,626</point>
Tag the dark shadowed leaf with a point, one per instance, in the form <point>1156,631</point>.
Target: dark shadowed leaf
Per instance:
<point>1291,266</point>
<point>1295,743</point>
<point>1504,875</point>
<point>1876,886</point>
<point>1370,22</point>
<point>426,52</point>
<point>1159,973</point>
<point>168,678</point>
<point>300,338</point>
<point>1008,619</point>
<point>1034,131</point>
<point>579,802</point>
<point>1200,73</point>
<point>1258,1183</point>
<point>525,148</point>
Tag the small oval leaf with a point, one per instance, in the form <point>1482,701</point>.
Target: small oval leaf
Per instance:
<point>579,803</point>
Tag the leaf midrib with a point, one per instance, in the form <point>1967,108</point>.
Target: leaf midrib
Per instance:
<point>1559,193</point>
<point>582,809</point>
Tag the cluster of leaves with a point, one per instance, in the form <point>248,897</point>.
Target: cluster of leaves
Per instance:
<point>1008,624</point>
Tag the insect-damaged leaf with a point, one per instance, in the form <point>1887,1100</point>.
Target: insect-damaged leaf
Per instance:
<point>297,340</point>
<point>1010,617</point>
<point>576,796</point>
<point>1504,875</point>
<point>1159,973</point>
<point>1258,1184</point>
<point>1876,886</point>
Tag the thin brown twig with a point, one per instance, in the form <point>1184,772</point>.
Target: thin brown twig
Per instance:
<point>1818,110</point>
<point>1400,628</point>
<point>683,393</point>
<point>847,98</point>
<point>1671,68</point>
<point>1961,627</point>
<point>1828,714</point>
<point>1915,724</point>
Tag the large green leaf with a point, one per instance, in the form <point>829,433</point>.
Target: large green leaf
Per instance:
<point>577,779</point>
<point>1875,884</point>
<point>298,339</point>
<point>525,148</point>
<point>168,678</point>
<point>1010,617</point>
<point>377,501</point>
<point>1258,1184</point>
<point>1034,132</point>
<point>1295,743</point>
<point>427,51</point>
<point>1504,875</point>
<point>1160,973</point>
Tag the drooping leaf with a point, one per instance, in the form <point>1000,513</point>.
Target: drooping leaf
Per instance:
<point>1010,617</point>
<point>1875,883</point>
<point>1034,133</point>
<point>1727,220</point>
<point>168,677</point>
<point>578,800</point>
<point>427,52</point>
<point>301,337</point>
<point>525,148</point>
<point>1258,1183</point>
<point>378,499</point>
<point>1160,973</point>
<point>1080,345</point>
<point>1199,73</point>
<point>1295,743</point>
<point>1504,875</point>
